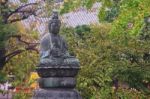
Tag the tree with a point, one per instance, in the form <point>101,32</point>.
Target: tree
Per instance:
<point>119,56</point>
<point>10,15</point>
<point>110,67</point>
<point>127,17</point>
<point>18,47</point>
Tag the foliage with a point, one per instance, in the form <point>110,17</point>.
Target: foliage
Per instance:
<point>21,64</point>
<point>3,77</point>
<point>128,55</point>
<point>104,15</point>
<point>94,69</point>
<point>108,93</point>
<point>70,5</point>
<point>79,30</point>
<point>103,58</point>
<point>26,64</point>
<point>130,19</point>
<point>145,32</point>
<point>109,15</point>
<point>127,15</point>
<point>22,95</point>
<point>5,31</point>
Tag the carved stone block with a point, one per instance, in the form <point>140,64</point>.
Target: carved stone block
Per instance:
<point>57,82</point>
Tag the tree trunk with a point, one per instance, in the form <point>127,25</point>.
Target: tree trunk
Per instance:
<point>2,57</point>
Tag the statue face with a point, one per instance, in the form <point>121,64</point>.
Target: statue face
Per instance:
<point>54,27</point>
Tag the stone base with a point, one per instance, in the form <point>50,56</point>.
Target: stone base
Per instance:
<point>56,94</point>
<point>57,71</point>
<point>57,82</point>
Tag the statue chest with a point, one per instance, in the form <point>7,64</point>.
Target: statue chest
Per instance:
<point>57,42</point>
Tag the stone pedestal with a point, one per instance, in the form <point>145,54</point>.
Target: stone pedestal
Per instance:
<point>57,82</point>
<point>56,94</point>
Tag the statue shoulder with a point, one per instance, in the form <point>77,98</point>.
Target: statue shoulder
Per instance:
<point>45,42</point>
<point>45,38</point>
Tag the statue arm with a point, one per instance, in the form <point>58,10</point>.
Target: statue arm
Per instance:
<point>44,48</point>
<point>66,53</point>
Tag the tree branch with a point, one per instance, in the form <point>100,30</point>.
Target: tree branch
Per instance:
<point>21,10</point>
<point>30,46</point>
<point>18,37</point>
<point>11,55</point>
<point>21,7</point>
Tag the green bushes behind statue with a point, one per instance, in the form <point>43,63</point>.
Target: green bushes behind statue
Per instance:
<point>110,67</point>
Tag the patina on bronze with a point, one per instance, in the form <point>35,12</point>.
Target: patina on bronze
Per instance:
<point>57,68</point>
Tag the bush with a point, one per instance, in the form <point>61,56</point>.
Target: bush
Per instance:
<point>81,30</point>
<point>104,58</point>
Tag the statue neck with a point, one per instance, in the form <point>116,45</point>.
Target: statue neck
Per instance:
<point>54,34</point>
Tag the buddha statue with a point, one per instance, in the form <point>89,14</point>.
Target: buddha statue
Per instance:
<point>53,48</point>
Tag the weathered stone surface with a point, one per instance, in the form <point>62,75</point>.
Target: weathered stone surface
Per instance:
<point>53,47</point>
<point>57,82</point>
<point>56,94</point>
<point>62,71</point>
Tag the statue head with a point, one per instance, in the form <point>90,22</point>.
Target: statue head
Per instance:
<point>54,24</point>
